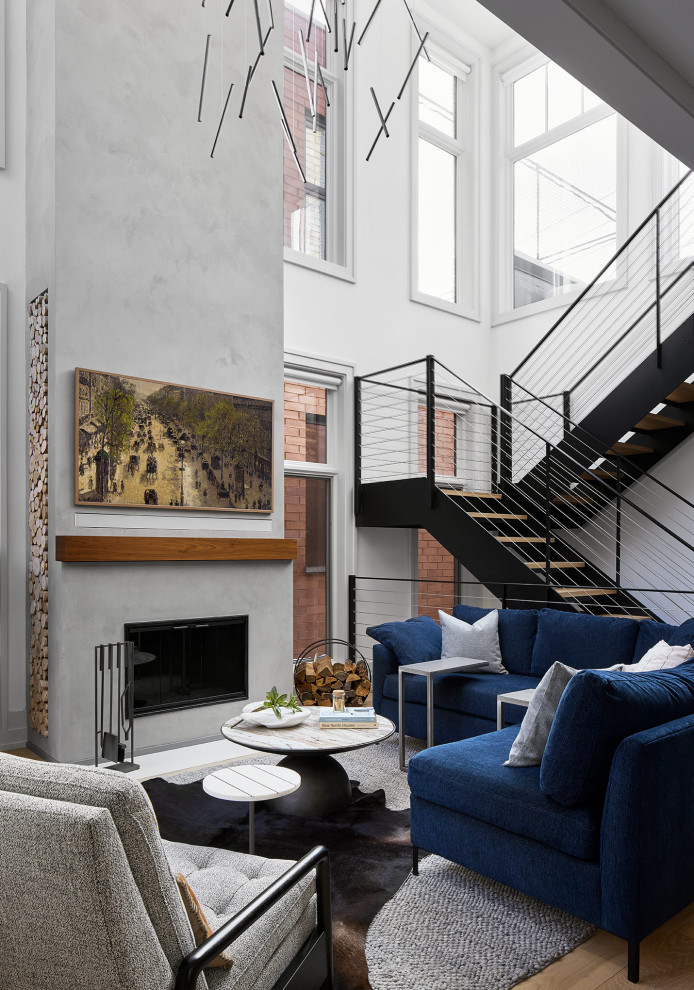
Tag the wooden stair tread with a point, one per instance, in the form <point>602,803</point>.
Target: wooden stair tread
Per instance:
<point>656,421</point>
<point>683,393</point>
<point>495,515</point>
<point>623,615</point>
<point>539,565</point>
<point>523,539</point>
<point>464,494</point>
<point>628,449</point>
<point>598,473</point>
<point>572,500</point>
<point>584,592</point>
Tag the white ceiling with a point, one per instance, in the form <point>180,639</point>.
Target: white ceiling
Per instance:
<point>475,20</point>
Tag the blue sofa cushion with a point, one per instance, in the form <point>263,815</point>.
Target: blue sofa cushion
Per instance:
<point>651,633</point>
<point>599,709</point>
<point>581,641</point>
<point>412,641</point>
<point>470,694</point>
<point>469,777</point>
<point>517,629</point>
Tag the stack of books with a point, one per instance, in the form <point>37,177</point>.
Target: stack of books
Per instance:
<point>350,718</point>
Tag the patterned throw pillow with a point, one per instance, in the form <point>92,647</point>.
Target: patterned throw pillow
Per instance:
<point>662,656</point>
<point>199,923</point>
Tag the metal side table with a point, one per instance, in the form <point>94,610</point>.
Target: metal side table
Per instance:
<point>521,698</point>
<point>429,669</point>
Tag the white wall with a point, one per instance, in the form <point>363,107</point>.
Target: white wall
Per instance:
<point>154,274</point>
<point>13,626</point>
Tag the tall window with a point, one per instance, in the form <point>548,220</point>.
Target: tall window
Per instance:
<point>562,153</point>
<point>445,222</point>
<point>314,209</point>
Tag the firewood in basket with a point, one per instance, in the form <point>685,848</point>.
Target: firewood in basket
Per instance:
<point>351,678</point>
<point>323,663</point>
<point>310,671</point>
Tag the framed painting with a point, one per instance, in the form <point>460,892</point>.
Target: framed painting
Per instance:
<point>149,444</point>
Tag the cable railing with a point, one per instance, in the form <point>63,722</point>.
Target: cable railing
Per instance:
<point>637,300</point>
<point>422,420</point>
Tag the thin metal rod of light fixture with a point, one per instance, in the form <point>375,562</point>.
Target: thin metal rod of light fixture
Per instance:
<point>384,122</point>
<point>221,120</point>
<point>325,15</point>
<point>325,88</point>
<point>310,20</point>
<point>307,76</point>
<point>380,130</point>
<point>259,28</point>
<point>315,88</point>
<point>348,47</point>
<point>414,62</point>
<point>337,36</point>
<point>229,8</point>
<point>368,23</point>
<point>204,77</point>
<point>288,132</point>
<point>271,13</point>
<point>249,76</point>
<point>414,25</point>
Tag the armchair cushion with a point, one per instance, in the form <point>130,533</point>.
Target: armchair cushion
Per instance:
<point>582,641</point>
<point>469,777</point>
<point>597,711</point>
<point>412,641</point>
<point>517,630</point>
<point>224,882</point>
<point>134,819</point>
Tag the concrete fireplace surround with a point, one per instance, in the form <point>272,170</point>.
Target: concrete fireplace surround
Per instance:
<point>163,263</point>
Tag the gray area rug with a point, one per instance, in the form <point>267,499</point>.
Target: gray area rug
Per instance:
<point>448,928</point>
<point>374,767</point>
<point>452,929</point>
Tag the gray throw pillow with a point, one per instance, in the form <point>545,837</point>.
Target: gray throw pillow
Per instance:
<point>529,744</point>
<point>479,641</point>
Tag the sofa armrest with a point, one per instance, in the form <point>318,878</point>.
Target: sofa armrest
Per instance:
<point>384,663</point>
<point>646,865</point>
<point>318,859</point>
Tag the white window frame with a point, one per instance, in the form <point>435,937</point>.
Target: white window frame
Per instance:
<point>464,66</point>
<point>339,173</point>
<point>508,72</point>
<point>338,380</point>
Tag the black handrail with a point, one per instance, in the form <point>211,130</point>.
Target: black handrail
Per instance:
<point>602,271</point>
<point>522,584</point>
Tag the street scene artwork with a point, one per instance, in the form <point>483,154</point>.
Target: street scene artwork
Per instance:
<point>145,443</point>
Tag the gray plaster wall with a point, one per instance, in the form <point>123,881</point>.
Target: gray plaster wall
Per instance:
<point>168,265</point>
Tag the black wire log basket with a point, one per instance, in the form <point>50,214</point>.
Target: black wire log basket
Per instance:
<point>329,665</point>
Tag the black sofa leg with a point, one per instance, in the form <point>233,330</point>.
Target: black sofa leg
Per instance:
<point>634,961</point>
<point>415,861</point>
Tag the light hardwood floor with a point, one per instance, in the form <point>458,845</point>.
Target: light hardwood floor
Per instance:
<point>26,753</point>
<point>667,956</point>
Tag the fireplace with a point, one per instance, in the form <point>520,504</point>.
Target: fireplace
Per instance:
<point>185,663</point>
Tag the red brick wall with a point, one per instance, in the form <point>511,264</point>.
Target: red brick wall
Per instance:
<point>304,442</point>
<point>434,562</point>
<point>444,427</point>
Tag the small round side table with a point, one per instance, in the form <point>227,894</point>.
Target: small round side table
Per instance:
<point>251,784</point>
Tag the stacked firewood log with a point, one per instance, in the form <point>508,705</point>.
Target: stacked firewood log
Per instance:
<point>315,680</point>
<point>38,514</point>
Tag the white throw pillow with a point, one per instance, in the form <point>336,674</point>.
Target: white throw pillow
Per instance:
<point>479,641</point>
<point>662,656</point>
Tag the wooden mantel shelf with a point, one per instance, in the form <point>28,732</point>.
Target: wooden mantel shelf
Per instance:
<point>134,549</point>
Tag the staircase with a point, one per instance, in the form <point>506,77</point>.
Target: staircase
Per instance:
<point>548,497</point>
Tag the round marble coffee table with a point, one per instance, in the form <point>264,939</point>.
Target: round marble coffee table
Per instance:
<point>308,749</point>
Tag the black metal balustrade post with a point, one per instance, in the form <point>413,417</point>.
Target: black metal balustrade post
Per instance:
<point>548,512</point>
<point>495,450</point>
<point>357,446</point>
<point>352,614</point>
<point>431,429</point>
<point>658,342</point>
<point>618,526</point>
<point>505,434</point>
<point>566,412</point>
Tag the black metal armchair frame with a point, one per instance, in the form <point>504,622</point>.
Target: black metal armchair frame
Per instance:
<point>312,967</point>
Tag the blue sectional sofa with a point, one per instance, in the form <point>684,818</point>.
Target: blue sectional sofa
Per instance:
<point>602,828</point>
<point>531,640</point>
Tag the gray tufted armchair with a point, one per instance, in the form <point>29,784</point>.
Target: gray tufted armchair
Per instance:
<point>88,899</point>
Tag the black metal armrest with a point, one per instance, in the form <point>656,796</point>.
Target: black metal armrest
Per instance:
<point>318,858</point>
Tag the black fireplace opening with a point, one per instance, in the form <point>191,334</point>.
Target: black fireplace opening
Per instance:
<point>186,663</point>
